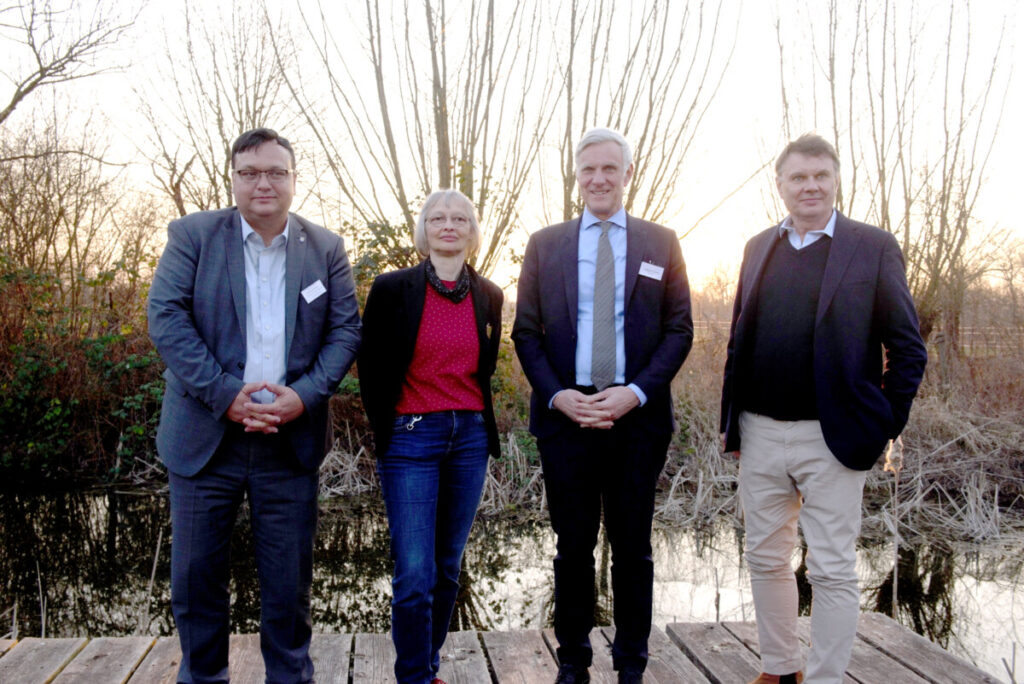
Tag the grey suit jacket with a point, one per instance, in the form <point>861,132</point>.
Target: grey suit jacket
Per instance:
<point>197,322</point>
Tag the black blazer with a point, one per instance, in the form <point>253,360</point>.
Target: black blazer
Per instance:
<point>659,328</point>
<point>864,306</point>
<point>391,323</point>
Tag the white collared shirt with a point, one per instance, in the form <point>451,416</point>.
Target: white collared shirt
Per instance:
<point>264,309</point>
<point>810,237</point>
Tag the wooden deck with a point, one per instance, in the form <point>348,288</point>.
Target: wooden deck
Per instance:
<point>684,652</point>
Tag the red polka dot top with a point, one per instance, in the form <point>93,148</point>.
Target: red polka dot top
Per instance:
<point>442,374</point>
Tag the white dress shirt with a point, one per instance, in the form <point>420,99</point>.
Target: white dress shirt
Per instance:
<point>264,309</point>
<point>810,237</point>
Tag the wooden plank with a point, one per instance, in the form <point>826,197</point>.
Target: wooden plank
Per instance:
<point>601,669</point>
<point>330,654</point>
<point>328,651</point>
<point>884,652</point>
<point>463,660</point>
<point>867,664</point>
<point>373,659</point>
<point>928,660</point>
<point>160,665</point>
<point>666,664</point>
<point>746,633</point>
<point>38,660</point>
<point>715,651</point>
<point>245,661</point>
<point>520,657</point>
<point>106,659</point>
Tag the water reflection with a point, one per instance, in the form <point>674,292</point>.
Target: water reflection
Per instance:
<point>923,581</point>
<point>84,562</point>
<point>81,564</point>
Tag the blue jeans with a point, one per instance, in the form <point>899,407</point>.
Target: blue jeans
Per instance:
<point>431,477</point>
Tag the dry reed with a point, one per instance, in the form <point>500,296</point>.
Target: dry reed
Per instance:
<point>962,478</point>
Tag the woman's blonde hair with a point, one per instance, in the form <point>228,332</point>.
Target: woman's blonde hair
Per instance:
<point>448,198</point>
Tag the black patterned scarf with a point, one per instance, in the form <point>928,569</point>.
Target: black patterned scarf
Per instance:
<point>456,293</point>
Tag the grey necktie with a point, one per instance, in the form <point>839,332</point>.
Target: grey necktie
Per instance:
<point>602,361</point>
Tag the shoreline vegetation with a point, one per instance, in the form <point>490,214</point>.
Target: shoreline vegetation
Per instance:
<point>82,388</point>
<point>962,478</point>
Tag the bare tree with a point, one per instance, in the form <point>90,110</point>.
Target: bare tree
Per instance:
<point>913,100</point>
<point>472,95</point>
<point>213,83</point>
<point>52,43</point>
<point>435,98</point>
<point>650,70</point>
<point>63,216</point>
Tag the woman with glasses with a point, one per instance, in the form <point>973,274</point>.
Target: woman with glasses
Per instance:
<point>430,344</point>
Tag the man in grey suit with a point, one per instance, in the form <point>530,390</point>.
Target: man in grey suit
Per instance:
<point>253,310</point>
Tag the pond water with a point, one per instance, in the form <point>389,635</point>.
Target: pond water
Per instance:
<point>95,564</point>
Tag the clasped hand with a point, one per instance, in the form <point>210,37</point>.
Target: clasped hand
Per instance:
<point>599,410</point>
<point>265,418</point>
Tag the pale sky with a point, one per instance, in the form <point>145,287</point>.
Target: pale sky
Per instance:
<point>741,132</point>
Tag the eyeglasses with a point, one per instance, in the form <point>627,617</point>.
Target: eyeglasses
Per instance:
<point>440,219</point>
<point>273,175</point>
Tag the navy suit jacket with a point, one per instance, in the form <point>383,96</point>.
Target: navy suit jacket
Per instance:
<point>658,325</point>
<point>864,306</point>
<point>391,324</point>
<point>197,322</point>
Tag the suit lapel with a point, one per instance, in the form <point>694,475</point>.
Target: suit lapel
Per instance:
<point>636,240</point>
<point>570,254</point>
<point>481,304</point>
<point>295,258</point>
<point>757,261</point>
<point>844,246</point>
<point>414,297</point>
<point>235,256</point>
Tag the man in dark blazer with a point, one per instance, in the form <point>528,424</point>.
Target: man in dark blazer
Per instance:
<point>601,362</point>
<point>253,310</point>
<point>824,360</point>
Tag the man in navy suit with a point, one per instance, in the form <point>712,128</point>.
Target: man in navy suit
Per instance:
<point>254,312</point>
<point>600,349</point>
<point>824,360</point>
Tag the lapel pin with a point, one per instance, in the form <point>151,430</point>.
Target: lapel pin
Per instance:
<point>302,238</point>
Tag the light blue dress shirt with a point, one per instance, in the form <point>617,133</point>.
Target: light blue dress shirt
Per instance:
<point>590,233</point>
<point>786,229</point>
<point>264,309</point>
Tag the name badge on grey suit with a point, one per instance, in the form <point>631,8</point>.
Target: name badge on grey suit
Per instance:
<point>313,291</point>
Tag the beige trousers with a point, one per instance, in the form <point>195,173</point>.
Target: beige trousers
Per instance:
<point>782,463</point>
